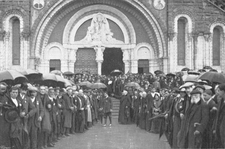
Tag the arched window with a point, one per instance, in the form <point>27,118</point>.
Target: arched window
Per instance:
<point>217,40</point>
<point>54,55</point>
<point>181,41</point>
<point>15,40</point>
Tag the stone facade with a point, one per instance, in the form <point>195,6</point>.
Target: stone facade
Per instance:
<point>142,29</point>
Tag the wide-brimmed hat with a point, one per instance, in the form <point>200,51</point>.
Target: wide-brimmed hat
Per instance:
<point>12,115</point>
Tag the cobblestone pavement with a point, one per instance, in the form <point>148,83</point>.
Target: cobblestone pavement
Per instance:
<point>115,137</point>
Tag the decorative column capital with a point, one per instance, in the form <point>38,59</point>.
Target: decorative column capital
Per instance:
<point>195,36</point>
<point>171,35</point>
<point>2,34</point>
<point>26,35</point>
<point>207,36</point>
<point>7,35</point>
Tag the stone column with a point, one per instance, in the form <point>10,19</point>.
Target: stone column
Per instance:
<point>71,59</point>
<point>171,52</point>
<point>189,51</point>
<point>99,57</point>
<point>222,54</point>
<point>99,62</point>
<point>134,68</point>
<point>2,36</point>
<point>24,50</point>
<point>7,63</point>
<point>195,49</point>
<point>207,37</point>
<point>151,66</point>
<point>126,66</point>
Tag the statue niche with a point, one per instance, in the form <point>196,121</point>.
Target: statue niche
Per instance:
<point>99,32</point>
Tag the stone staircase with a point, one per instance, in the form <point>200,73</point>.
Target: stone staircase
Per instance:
<point>116,106</point>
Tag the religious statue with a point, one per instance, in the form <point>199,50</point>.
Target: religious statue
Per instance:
<point>99,31</point>
<point>159,4</point>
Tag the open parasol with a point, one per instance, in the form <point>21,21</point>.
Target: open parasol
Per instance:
<point>49,79</point>
<point>157,72</point>
<point>185,69</point>
<point>56,72</point>
<point>98,85</point>
<point>213,77</point>
<point>85,83</point>
<point>12,76</point>
<point>68,73</point>
<point>116,72</point>
<point>133,84</point>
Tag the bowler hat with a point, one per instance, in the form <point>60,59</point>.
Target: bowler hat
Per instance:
<point>12,115</point>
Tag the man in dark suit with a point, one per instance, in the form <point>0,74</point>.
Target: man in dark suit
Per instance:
<point>4,133</point>
<point>194,122</point>
<point>16,127</point>
<point>29,109</point>
<point>68,109</point>
<point>34,123</point>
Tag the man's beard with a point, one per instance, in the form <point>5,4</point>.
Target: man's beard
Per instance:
<point>195,99</point>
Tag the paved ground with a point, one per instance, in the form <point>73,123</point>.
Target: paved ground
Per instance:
<point>116,137</point>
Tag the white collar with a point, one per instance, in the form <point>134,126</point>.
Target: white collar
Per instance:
<point>15,102</point>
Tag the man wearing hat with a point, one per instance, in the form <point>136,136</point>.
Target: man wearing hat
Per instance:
<point>68,109</point>
<point>15,119</point>
<point>125,104</point>
<point>4,133</point>
<point>194,123</point>
<point>34,123</point>
<point>46,121</point>
<point>28,109</point>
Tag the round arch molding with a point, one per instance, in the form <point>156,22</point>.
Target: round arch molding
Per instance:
<point>113,14</point>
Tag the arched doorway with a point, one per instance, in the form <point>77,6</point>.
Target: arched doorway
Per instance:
<point>85,61</point>
<point>113,59</point>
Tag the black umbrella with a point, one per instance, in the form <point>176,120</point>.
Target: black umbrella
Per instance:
<point>207,67</point>
<point>171,75</point>
<point>157,72</point>
<point>201,70</point>
<point>193,73</point>
<point>213,77</point>
<point>68,73</point>
<point>185,69</point>
<point>116,72</point>
<point>213,70</point>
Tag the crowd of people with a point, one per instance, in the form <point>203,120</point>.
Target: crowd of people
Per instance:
<point>190,114</point>
<point>37,117</point>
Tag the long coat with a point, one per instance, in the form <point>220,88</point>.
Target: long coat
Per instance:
<point>125,104</point>
<point>4,133</point>
<point>16,129</point>
<point>46,121</point>
<point>107,105</point>
<point>67,111</point>
<point>149,103</point>
<point>195,119</point>
<point>220,123</point>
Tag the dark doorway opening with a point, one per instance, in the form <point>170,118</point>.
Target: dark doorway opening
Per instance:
<point>113,59</point>
<point>143,66</point>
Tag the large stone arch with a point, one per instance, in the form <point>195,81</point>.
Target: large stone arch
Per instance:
<point>46,18</point>
<point>45,24</point>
